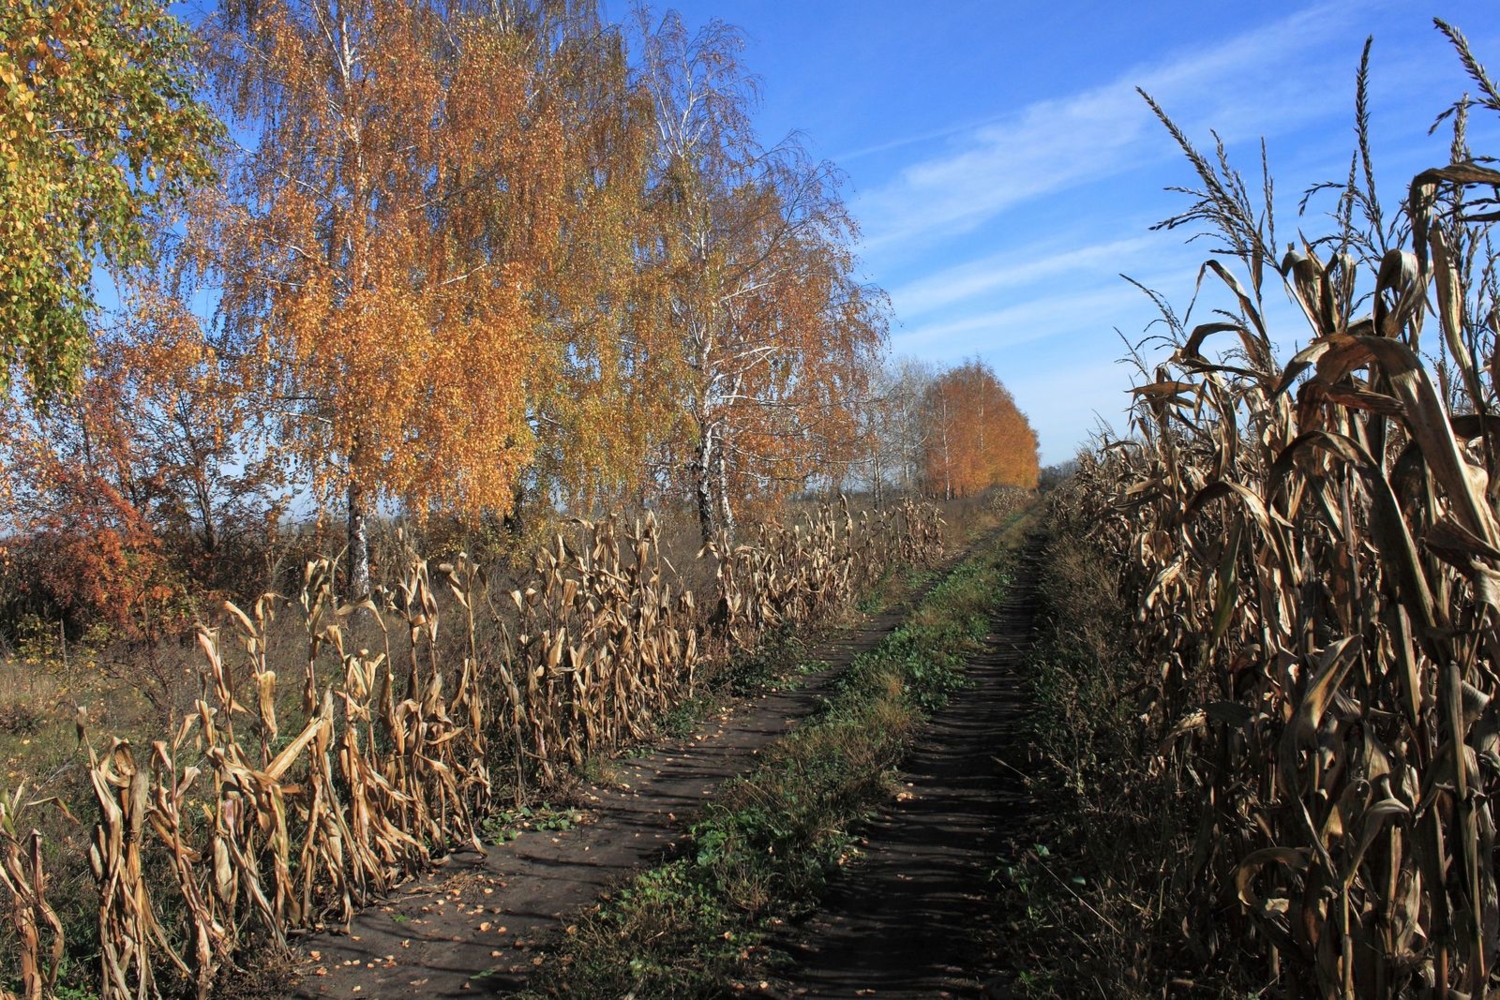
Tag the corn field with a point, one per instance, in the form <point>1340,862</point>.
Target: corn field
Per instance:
<point>1315,552</point>
<point>242,827</point>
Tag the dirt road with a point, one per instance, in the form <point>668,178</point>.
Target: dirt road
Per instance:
<point>903,921</point>
<point>900,923</point>
<point>475,926</point>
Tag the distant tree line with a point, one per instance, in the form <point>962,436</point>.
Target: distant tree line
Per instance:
<point>946,433</point>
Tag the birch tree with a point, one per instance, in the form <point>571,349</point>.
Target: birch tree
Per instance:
<point>976,437</point>
<point>777,334</point>
<point>99,128</point>
<point>378,244</point>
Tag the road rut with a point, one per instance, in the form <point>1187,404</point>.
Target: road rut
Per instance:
<point>902,921</point>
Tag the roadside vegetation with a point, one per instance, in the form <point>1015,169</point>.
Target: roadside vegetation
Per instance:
<point>1266,712</point>
<point>313,778</point>
<point>701,924</point>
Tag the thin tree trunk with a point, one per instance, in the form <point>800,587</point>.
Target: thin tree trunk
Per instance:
<point>359,544</point>
<point>980,425</point>
<point>726,513</point>
<point>514,519</point>
<point>702,485</point>
<point>947,457</point>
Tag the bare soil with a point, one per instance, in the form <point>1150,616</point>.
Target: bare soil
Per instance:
<point>906,920</point>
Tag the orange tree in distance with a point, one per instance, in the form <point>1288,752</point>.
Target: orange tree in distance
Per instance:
<point>976,437</point>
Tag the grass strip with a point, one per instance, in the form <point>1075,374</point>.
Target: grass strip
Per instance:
<point>697,925</point>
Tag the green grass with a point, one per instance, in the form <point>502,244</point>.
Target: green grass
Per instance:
<point>762,850</point>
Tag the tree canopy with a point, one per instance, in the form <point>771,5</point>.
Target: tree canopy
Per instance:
<point>99,127</point>
<point>462,262</point>
<point>976,436</point>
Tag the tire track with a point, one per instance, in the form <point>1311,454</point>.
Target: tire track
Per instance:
<point>902,922</point>
<point>480,924</point>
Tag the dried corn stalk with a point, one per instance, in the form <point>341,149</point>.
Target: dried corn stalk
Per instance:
<point>22,875</point>
<point>1315,554</point>
<point>269,819</point>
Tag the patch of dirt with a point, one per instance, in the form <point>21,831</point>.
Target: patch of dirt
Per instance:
<point>479,924</point>
<point>904,920</point>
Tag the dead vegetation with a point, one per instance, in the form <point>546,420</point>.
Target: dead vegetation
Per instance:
<point>297,790</point>
<point>1311,548</point>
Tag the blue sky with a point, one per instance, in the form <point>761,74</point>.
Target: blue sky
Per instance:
<point>1005,173</point>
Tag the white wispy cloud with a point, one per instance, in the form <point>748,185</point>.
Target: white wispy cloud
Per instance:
<point>1002,301</point>
<point>1021,323</point>
<point>1005,237</point>
<point>1067,406</point>
<point>1259,83</point>
<point>1010,269</point>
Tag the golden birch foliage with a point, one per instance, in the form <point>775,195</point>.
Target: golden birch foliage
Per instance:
<point>976,438</point>
<point>607,393</point>
<point>378,245</point>
<point>819,333</point>
<point>775,332</point>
